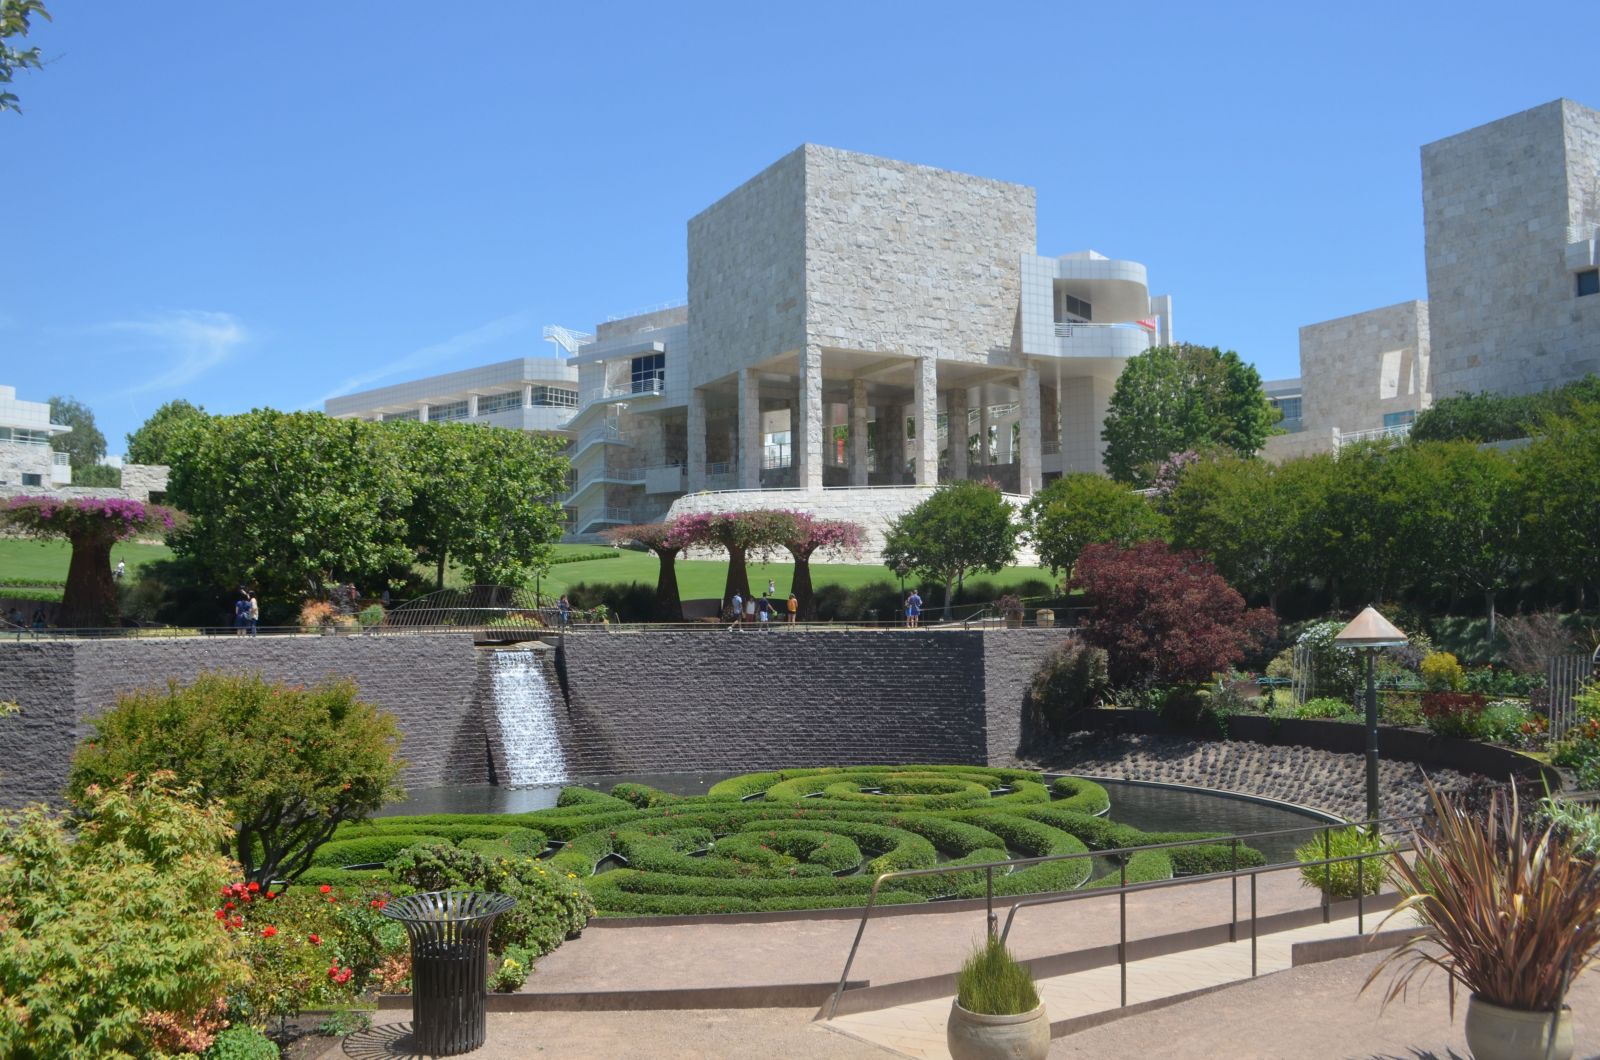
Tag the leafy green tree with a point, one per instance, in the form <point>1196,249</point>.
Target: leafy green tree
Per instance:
<point>161,437</point>
<point>103,475</point>
<point>1465,502</point>
<point>92,525</point>
<point>487,497</point>
<point>1360,532</point>
<point>84,444</point>
<point>1258,523</point>
<point>15,16</point>
<point>1487,417</point>
<point>289,764</point>
<point>1081,509</point>
<point>961,529</point>
<point>1560,473</point>
<point>291,501</point>
<point>108,921</point>
<point>1173,398</point>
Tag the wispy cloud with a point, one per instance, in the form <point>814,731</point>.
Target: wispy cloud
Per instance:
<point>428,356</point>
<point>181,344</point>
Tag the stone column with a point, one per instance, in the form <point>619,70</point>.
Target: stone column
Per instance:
<point>806,436</point>
<point>984,426</point>
<point>422,412</point>
<point>472,406</point>
<point>858,432</point>
<point>1029,455</point>
<point>749,429</point>
<point>955,404</point>
<point>695,441</point>
<point>925,408</point>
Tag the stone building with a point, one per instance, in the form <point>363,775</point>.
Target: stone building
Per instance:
<point>26,459</point>
<point>1511,217</point>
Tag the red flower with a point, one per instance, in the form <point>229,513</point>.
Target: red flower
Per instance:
<point>222,914</point>
<point>314,939</point>
<point>271,895</point>
<point>268,931</point>
<point>325,888</point>
<point>254,886</point>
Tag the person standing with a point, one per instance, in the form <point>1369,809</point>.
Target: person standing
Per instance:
<point>794,608</point>
<point>122,568</point>
<point>241,613</point>
<point>738,612</point>
<point>772,587</point>
<point>913,609</point>
<point>564,611</point>
<point>253,613</point>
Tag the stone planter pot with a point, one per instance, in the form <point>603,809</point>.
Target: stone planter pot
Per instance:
<point>1044,617</point>
<point>1497,1033</point>
<point>974,1036</point>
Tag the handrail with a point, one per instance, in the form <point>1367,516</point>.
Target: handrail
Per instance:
<point>1124,889</point>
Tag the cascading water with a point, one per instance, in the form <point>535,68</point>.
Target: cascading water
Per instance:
<point>526,711</point>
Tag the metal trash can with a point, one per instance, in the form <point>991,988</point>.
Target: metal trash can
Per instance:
<point>449,965</point>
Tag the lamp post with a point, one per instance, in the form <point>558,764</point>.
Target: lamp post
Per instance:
<point>902,570</point>
<point>1367,633</point>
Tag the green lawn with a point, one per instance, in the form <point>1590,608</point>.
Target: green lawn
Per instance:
<point>27,560</point>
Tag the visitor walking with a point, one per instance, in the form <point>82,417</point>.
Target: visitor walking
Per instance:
<point>253,613</point>
<point>14,617</point>
<point>38,618</point>
<point>738,612</point>
<point>764,611</point>
<point>794,608</point>
<point>913,610</point>
<point>122,568</point>
<point>772,587</point>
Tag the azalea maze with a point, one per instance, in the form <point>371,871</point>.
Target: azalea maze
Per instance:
<point>801,839</point>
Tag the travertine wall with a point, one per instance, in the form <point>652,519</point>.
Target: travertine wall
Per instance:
<point>1355,369</point>
<point>17,459</point>
<point>910,259</point>
<point>1497,204</point>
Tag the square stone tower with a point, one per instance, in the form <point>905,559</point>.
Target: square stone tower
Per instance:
<point>1511,211</point>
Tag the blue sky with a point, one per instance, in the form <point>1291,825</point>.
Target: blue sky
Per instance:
<point>251,205</point>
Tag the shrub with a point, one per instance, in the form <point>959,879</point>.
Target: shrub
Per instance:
<point>1502,721</point>
<point>292,943</point>
<point>1326,707</point>
<point>1400,708</point>
<point>1343,879</point>
<point>1452,713</point>
<point>992,983</point>
<point>1577,826</point>
<point>1072,678</point>
<point>241,1043</point>
<point>316,614</point>
<point>1442,673</point>
<point>1164,617</point>
<point>290,764</point>
<point>370,616</point>
<point>1580,749</point>
<point>93,927</point>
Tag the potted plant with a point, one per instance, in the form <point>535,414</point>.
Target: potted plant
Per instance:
<point>997,1014</point>
<point>1010,608</point>
<point>1514,916</point>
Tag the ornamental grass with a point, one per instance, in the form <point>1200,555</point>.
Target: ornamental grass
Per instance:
<point>993,983</point>
<point>1513,908</point>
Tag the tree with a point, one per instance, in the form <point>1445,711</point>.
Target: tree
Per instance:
<point>1560,473</point>
<point>1173,398</point>
<point>109,922</point>
<point>962,528</point>
<point>161,437</point>
<point>739,534</point>
<point>289,764</point>
<point>102,475</point>
<point>84,444</point>
<point>1081,509</point>
<point>805,536</point>
<point>1360,529</point>
<point>486,496</point>
<point>1255,521</point>
<point>1164,617</point>
<point>15,16</point>
<point>666,540</point>
<point>92,525</point>
<point>1465,502</point>
<point>291,501</point>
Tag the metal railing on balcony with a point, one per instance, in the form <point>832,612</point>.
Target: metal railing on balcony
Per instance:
<point>1399,430</point>
<point>1066,329</point>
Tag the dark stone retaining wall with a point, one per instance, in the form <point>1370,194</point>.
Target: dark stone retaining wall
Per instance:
<point>426,682</point>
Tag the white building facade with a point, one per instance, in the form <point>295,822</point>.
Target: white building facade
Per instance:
<point>26,459</point>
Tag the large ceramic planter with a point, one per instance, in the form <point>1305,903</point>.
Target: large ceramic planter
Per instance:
<point>1496,1033</point>
<point>974,1036</point>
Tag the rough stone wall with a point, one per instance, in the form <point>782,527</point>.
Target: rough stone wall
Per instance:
<point>1011,657</point>
<point>715,700</point>
<point>17,459</point>
<point>427,682</point>
<point>1357,368</point>
<point>141,480</point>
<point>747,272</point>
<point>902,258</point>
<point>1497,202</point>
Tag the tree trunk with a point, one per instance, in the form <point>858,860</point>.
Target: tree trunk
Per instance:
<point>804,594</point>
<point>669,606</point>
<point>947,583</point>
<point>1488,598</point>
<point>439,580</point>
<point>1272,601</point>
<point>738,576</point>
<point>90,598</point>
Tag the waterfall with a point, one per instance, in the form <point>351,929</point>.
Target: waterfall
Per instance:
<point>526,712</point>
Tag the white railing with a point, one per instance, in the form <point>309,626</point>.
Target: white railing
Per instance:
<point>607,514</point>
<point>1399,430</point>
<point>608,433</point>
<point>61,459</point>
<point>632,388</point>
<point>1066,328</point>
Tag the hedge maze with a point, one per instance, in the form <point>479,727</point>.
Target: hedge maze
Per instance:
<point>798,839</point>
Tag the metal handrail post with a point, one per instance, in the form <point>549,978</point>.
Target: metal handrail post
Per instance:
<point>872,898</point>
<point>1361,892</point>
<point>1252,925</point>
<point>989,897</point>
<point>1233,920</point>
<point>1327,909</point>
<point>1122,933</point>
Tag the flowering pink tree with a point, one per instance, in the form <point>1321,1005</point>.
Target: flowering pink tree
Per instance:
<point>739,534</point>
<point>804,536</point>
<point>92,525</point>
<point>666,540</point>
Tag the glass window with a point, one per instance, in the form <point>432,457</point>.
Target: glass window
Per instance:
<point>555,396</point>
<point>1399,419</point>
<point>450,410</point>
<point>1070,307</point>
<point>499,402</point>
<point>32,479</point>
<point>409,414</point>
<point>1589,282</point>
<point>648,373</point>
<point>1290,407</point>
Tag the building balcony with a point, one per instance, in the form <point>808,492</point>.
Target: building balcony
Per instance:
<point>1074,339</point>
<point>1394,433</point>
<point>634,388</point>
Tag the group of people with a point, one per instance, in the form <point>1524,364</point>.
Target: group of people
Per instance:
<point>246,613</point>
<point>14,618</point>
<point>763,610</point>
